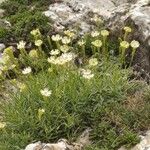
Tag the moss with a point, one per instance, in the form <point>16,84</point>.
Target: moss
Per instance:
<point>3,33</point>
<point>23,23</point>
<point>24,16</point>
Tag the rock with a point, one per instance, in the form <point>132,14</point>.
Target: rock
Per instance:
<point>116,13</point>
<point>33,146</point>
<point>143,145</point>
<point>2,47</point>
<point>63,144</point>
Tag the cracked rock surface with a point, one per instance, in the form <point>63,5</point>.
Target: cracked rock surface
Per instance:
<point>116,13</point>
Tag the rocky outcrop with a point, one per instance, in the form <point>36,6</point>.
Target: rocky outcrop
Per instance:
<point>63,144</point>
<point>116,13</point>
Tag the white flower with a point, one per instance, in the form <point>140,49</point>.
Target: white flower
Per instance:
<point>93,62</point>
<point>56,37</point>
<point>104,33</point>
<point>124,44</point>
<point>81,42</point>
<point>46,92</point>
<point>87,74</point>
<point>55,52</point>
<point>64,48</point>
<point>27,70</point>
<point>135,44</point>
<point>66,40</point>
<point>21,45</point>
<point>97,43</point>
<point>95,33</point>
<point>38,42</point>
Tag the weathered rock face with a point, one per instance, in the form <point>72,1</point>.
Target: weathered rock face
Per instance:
<point>63,144</point>
<point>116,13</point>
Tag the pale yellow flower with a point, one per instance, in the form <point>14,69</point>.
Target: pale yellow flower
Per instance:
<point>46,92</point>
<point>21,45</point>
<point>95,33</point>
<point>40,113</point>
<point>81,42</point>
<point>5,59</point>
<point>52,60</point>
<point>64,48</point>
<point>56,37</point>
<point>27,70</point>
<point>4,68</point>
<point>127,29</point>
<point>2,125</point>
<point>22,87</point>
<point>55,52</point>
<point>96,19</point>
<point>104,33</point>
<point>12,66</point>
<point>50,70</point>
<point>1,73</point>
<point>66,40</point>
<point>93,62</point>
<point>135,44</point>
<point>35,32</point>
<point>69,33</point>
<point>97,43</point>
<point>124,44</point>
<point>38,42</point>
<point>33,53</point>
<point>8,51</point>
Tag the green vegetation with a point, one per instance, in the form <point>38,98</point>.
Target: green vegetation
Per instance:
<point>24,16</point>
<point>75,85</point>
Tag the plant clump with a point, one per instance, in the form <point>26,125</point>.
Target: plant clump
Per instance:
<point>74,84</point>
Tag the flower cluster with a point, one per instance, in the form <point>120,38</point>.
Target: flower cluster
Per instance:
<point>86,73</point>
<point>63,59</point>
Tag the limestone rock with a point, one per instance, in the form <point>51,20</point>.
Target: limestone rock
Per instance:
<point>116,13</point>
<point>143,145</point>
<point>2,46</point>
<point>63,144</point>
